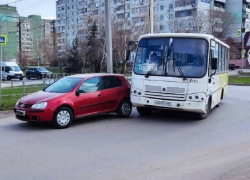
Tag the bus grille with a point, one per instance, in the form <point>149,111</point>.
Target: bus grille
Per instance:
<point>169,93</point>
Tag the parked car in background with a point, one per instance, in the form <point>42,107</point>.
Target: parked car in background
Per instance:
<point>4,75</point>
<point>38,72</point>
<point>76,96</point>
<point>233,67</point>
<point>13,70</point>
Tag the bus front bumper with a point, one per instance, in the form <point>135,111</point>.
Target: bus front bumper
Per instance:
<point>191,106</point>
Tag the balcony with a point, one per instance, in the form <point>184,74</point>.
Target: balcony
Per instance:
<point>222,1</point>
<point>221,9</point>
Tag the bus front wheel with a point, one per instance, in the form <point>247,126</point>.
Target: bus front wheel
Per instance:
<point>144,111</point>
<point>208,108</point>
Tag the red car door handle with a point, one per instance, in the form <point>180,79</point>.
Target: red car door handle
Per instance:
<point>99,95</point>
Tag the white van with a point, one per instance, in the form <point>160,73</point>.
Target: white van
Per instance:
<point>13,70</point>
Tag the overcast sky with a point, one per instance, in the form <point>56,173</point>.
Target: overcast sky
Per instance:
<point>45,8</point>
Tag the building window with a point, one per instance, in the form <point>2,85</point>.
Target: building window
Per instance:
<point>170,6</point>
<point>162,17</point>
<point>162,8</point>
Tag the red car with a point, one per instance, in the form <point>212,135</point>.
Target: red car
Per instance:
<point>74,97</point>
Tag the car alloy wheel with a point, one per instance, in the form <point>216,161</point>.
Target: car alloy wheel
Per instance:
<point>63,118</point>
<point>124,109</point>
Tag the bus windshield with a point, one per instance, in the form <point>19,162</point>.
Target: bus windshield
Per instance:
<point>174,57</point>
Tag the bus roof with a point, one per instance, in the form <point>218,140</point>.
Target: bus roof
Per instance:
<point>194,35</point>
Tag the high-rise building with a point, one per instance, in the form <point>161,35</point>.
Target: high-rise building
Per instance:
<point>8,26</point>
<point>34,32</point>
<point>191,16</point>
<point>74,17</point>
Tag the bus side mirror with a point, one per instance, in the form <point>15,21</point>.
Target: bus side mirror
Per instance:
<point>127,55</point>
<point>214,63</point>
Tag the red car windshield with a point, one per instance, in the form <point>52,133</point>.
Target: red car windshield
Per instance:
<point>64,85</point>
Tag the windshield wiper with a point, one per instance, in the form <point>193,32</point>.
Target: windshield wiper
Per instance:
<point>180,71</point>
<point>150,71</point>
<point>178,67</point>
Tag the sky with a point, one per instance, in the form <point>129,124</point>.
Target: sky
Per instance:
<point>45,8</point>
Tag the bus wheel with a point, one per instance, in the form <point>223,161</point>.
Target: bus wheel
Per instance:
<point>208,108</point>
<point>221,97</point>
<point>144,111</point>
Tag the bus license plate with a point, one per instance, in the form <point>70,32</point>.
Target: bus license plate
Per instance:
<point>20,113</point>
<point>163,103</point>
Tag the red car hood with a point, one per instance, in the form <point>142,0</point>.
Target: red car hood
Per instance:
<point>39,96</point>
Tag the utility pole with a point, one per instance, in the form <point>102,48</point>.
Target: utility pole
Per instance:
<point>108,37</point>
<point>20,39</point>
<point>151,16</point>
<point>124,28</point>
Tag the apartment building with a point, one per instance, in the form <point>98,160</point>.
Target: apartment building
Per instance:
<point>8,26</point>
<point>74,17</point>
<point>241,8</point>
<point>34,31</point>
<point>26,38</point>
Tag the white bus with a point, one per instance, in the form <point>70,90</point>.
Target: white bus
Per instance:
<point>190,73</point>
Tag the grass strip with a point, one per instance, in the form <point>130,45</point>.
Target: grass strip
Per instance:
<point>10,95</point>
<point>238,80</point>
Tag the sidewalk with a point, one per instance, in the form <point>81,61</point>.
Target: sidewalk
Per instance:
<point>5,114</point>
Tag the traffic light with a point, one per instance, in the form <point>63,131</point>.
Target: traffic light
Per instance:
<point>238,33</point>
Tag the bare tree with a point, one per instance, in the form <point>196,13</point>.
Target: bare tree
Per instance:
<point>48,52</point>
<point>22,59</point>
<point>219,22</point>
<point>200,21</point>
<point>234,48</point>
<point>125,32</point>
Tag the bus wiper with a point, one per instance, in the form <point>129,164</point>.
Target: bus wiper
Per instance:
<point>150,71</point>
<point>180,71</point>
<point>178,67</point>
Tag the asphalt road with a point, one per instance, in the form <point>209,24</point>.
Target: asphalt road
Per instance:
<point>166,145</point>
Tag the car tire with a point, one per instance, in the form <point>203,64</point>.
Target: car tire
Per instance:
<point>124,109</point>
<point>208,109</point>
<point>63,117</point>
<point>144,111</point>
<point>8,78</point>
<point>39,76</point>
<point>27,76</point>
<point>21,78</point>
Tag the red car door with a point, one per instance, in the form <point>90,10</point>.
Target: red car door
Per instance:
<point>111,92</point>
<point>89,99</point>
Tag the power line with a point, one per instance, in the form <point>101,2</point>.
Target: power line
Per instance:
<point>32,5</point>
<point>14,2</point>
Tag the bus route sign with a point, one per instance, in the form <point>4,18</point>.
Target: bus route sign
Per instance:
<point>3,40</point>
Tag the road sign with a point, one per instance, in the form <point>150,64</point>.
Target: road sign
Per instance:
<point>243,52</point>
<point>38,59</point>
<point>238,33</point>
<point>3,40</point>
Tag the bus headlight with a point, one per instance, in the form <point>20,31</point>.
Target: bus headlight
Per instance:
<point>136,92</point>
<point>196,97</point>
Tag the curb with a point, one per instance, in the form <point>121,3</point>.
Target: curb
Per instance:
<point>239,84</point>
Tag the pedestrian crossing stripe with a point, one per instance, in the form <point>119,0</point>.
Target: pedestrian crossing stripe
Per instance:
<point>3,40</point>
